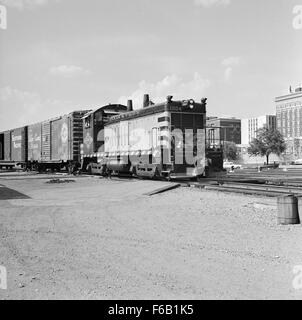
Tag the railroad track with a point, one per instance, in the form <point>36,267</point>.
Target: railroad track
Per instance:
<point>273,185</point>
<point>254,189</point>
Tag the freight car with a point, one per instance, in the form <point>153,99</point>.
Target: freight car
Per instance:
<point>162,140</point>
<point>55,143</point>
<point>13,146</point>
<point>52,144</point>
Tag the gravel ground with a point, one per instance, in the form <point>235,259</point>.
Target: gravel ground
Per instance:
<point>104,239</point>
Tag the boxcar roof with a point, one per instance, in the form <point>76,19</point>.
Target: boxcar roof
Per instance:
<point>48,120</point>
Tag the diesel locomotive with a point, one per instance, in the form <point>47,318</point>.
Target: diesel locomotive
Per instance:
<point>165,140</point>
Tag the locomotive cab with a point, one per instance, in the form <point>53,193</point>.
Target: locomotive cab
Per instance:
<point>93,134</point>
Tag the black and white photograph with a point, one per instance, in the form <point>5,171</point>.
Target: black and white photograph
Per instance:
<point>150,150</point>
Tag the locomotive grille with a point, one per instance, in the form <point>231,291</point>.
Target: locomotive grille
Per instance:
<point>187,121</point>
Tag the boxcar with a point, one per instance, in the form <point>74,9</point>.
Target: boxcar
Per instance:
<point>55,143</point>
<point>13,147</point>
<point>67,136</point>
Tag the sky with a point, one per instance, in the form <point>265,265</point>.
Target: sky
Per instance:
<point>57,56</point>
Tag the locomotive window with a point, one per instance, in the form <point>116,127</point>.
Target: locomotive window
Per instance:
<point>98,116</point>
<point>163,119</point>
<point>199,121</point>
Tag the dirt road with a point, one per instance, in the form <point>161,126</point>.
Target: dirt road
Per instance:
<point>104,239</point>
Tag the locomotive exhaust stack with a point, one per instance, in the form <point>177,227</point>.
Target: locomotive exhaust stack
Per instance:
<point>146,102</point>
<point>129,105</point>
<point>169,98</point>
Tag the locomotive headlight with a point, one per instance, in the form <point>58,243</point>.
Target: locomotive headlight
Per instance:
<point>192,103</point>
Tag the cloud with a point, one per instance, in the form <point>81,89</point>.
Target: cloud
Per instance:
<point>228,74</point>
<point>232,61</point>
<point>210,3</point>
<point>25,4</point>
<point>229,64</point>
<point>170,85</point>
<point>68,71</point>
<point>20,108</point>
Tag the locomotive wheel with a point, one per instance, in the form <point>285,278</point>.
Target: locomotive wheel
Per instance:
<point>103,170</point>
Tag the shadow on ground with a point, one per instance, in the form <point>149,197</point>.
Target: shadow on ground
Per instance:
<point>10,194</point>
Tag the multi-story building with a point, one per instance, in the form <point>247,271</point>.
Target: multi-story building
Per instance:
<point>289,121</point>
<point>224,130</point>
<point>249,127</point>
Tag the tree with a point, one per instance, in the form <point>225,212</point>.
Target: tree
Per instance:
<point>268,141</point>
<point>230,151</point>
